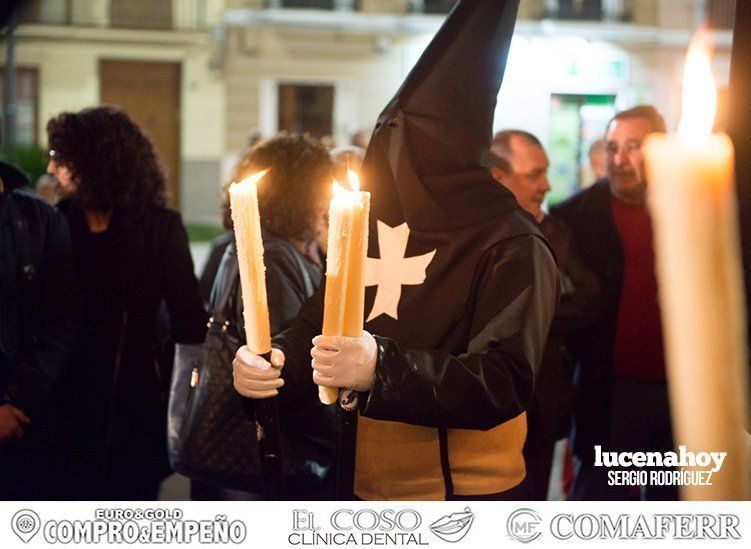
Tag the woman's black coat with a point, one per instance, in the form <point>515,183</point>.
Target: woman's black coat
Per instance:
<point>116,398</point>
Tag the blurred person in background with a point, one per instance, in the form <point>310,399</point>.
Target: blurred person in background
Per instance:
<point>293,202</point>
<point>598,159</point>
<point>40,325</point>
<point>520,163</point>
<point>131,254</point>
<point>46,189</point>
<point>622,401</point>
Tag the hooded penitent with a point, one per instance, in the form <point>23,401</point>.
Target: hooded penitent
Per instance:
<point>436,212</point>
<point>460,284</point>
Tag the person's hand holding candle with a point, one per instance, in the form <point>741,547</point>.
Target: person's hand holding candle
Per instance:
<point>344,362</point>
<point>255,377</point>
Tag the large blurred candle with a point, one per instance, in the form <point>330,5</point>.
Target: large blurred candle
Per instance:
<point>247,224</point>
<point>695,217</point>
<point>344,302</point>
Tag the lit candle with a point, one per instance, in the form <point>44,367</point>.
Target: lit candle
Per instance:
<point>247,224</point>
<point>695,217</point>
<point>344,301</point>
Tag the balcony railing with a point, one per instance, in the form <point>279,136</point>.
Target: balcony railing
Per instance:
<point>128,14</point>
<point>386,6</point>
<point>586,10</point>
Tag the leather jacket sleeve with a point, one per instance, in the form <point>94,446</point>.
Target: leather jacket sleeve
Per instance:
<point>285,293</point>
<point>514,298</point>
<point>579,305</point>
<point>40,364</point>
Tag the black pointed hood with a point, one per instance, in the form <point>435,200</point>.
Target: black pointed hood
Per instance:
<point>424,161</point>
<point>435,210</point>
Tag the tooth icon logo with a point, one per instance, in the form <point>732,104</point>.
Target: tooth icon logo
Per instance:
<point>453,527</point>
<point>25,523</point>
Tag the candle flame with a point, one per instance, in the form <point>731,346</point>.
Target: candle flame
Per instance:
<point>251,179</point>
<point>343,196</point>
<point>339,190</point>
<point>699,99</point>
<point>354,180</point>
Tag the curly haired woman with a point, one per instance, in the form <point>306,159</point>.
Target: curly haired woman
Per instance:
<point>293,203</point>
<point>132,255</point>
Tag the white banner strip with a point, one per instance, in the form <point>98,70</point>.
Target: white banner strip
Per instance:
<point>371,524</point>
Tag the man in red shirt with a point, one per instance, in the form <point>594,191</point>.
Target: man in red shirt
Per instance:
<point>622,402</point>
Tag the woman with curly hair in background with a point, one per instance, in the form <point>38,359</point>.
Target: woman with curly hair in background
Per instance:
<point>293,203</point>
<point>132,255</point>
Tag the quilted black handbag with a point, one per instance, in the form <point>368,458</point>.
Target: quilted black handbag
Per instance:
<point>210,435</point>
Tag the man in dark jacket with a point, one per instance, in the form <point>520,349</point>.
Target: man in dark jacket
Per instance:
<point>461,288</point>
<point>519,162</point>
<point>622,402</point>
<point>39,328</point>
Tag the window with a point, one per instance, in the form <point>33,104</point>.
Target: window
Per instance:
<point>26,103</point>
<point>575,9</point>
<point>141,14</point>
<point>306,108</point>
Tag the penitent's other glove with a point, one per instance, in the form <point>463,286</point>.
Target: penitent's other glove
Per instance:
<point>347,362</point>
<point>254,377</point>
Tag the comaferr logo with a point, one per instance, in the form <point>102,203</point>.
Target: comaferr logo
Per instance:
<point>589,526</point>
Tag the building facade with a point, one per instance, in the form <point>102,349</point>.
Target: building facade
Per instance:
<point>204,76</point>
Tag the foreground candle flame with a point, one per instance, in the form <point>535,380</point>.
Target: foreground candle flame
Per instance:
<point>699,99</point>
<point>694,213</point>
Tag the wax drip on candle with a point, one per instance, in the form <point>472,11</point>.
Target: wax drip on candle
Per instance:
<point>699,99</point>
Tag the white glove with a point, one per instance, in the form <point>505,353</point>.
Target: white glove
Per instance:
<point>347,362</point>
<point>255,377</point>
